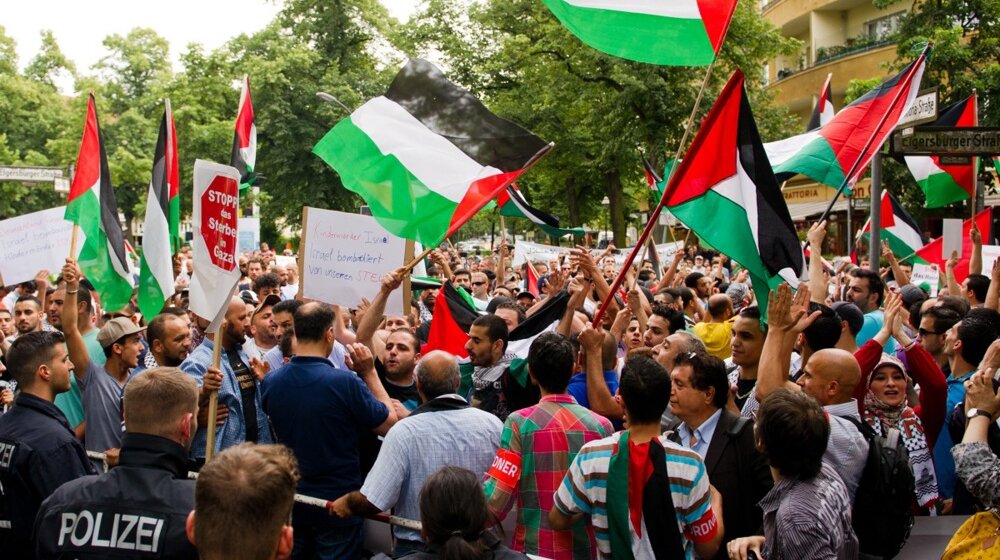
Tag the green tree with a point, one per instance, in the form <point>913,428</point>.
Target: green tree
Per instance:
<point>50,62</point>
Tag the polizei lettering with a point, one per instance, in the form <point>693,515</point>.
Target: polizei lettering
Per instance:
<point>118,531</point>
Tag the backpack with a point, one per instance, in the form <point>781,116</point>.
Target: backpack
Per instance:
<point>882,515</point>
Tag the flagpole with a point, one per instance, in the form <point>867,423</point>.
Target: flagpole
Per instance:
<point>72,240</point>
<point>975,159</point>
<point>213,399</point>
<point>871,138</point>
<point>667,191</point>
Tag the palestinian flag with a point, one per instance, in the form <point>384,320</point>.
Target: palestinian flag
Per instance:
<point>513,204</point>
<point>670,33</point>
<point>156,271</point>
<point>531,279</point>
<point>654,181</point>
<point>454,313</point>
<point>92,207</point>
<point>840,151</point>
<point>244,155</point>
<point>945,184</point>
<point>898,228</point>
<point>173,179</point>
<point>823,112</point>
<point>427,155</point>
<point>733,202</point>
<point>931,253</point>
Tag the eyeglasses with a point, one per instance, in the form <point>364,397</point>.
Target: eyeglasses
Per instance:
<point>478,283</point>
<point>924,332</point>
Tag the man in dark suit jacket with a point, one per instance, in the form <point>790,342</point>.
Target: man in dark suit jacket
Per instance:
<point>698,395</point>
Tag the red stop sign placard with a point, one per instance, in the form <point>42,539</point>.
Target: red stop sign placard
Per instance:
<point>219,209</point>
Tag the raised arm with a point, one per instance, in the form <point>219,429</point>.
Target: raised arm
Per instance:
<point>577,292</point>
<point>786,318</point>
<point>74,340</point>
<point>993,294</point>
<point>897,271</point>
<point>363,364</point>
<point>976,259</point>
<point>668,276</point>
<point>817,284</point>
<point>953,288</point>
<point>373,316</point>
<point>601,400</point>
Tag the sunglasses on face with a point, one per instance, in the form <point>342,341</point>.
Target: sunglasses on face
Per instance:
<point>924,332</point>
<point>478,283</point>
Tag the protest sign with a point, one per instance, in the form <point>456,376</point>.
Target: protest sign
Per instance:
<point>923,273</point>
<point>33,242</point>
<point>282,260</point>
<point>249,237</point>
<point>990,254</point>
<point>344,257</point>
<point>951,232</point>
<point>216,207</point>
<point>539,253</point>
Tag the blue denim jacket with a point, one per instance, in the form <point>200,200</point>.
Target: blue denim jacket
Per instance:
<point>233,431</point>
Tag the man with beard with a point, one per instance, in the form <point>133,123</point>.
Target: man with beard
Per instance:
<point>244,418</point>
<point>169,338</point>
<point>161,408</point>
<point>27,317</point>
<point>263,330</point>
<point>426,307</point>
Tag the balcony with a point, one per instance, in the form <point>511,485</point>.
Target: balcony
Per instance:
<point>797,88</point>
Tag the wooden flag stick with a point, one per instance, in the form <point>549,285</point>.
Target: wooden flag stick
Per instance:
<point>72,241</point>
<point>300,261</point>
<point>213,399</point>
<point>416,260</point>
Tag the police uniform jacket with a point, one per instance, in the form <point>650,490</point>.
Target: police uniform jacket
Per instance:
<point>135,510</point>
<point>38,453</point>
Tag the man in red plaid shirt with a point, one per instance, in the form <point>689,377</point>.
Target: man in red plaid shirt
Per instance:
<point>537,446</point>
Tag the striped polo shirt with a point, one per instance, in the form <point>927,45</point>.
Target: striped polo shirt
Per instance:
<point>584,489</point>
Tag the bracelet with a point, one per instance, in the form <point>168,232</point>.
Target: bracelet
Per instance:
<point>910,346</point>
<point>72,291</point>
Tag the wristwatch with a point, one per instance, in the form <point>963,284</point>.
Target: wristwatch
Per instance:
<point>973,412</point>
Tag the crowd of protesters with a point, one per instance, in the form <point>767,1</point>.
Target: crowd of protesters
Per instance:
<point>699,419</point>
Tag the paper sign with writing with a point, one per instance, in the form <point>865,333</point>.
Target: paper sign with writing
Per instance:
<point>923,273</point>
<point>216,207</point>
<point>539,253</point>
<point>990,254</point>
<point>345,257</point>
<point>34,242</point>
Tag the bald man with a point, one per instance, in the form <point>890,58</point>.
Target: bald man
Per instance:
<point>444,431</point>
<point>829,376</point>
<point>717,330</point>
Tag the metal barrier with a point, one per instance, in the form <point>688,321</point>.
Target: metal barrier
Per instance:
<point>300,498</point>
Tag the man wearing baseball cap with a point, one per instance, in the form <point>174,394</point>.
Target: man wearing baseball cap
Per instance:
<point>263,330</point>
<point>101,386</point>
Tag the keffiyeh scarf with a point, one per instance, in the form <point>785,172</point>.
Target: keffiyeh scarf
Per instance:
<point>880,415</point>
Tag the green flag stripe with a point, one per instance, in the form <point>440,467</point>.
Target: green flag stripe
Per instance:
<point>940,189</point>
<point>815,160</point>
<point>399,201</point>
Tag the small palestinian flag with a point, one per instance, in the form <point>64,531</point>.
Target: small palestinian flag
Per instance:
<point>931,253</point>
<point>92,207</point>
<point>945,184</point>
<point>531,279</point>
<point>173,179</point>
<point>244,155</point>
<point>823,112</point>
<point>725,192</point>
<point>427,155</point>
<point>839,152</point>
<point>669,33</point>
<point>454,312</point>
<point>513,204</point>
<point>654,181</point>
<point>898,228</point>
<point>156,271</point>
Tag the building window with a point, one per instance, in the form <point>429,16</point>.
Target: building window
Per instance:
<point>884,27</point>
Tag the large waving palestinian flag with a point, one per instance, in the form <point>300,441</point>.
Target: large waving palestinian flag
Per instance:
<point>945,184</point>
<point>823,112</point>
<point>898,228</point>
<point>827,155</point>
<point>725,191</point>
<point>427,155</point>
<point>156,272</point>
<point>667,32</point>
<point>92,207</point>
<point>244,154</point>
<point>513,204</point>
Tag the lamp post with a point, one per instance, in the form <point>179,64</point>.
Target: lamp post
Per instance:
<point>607,219</point>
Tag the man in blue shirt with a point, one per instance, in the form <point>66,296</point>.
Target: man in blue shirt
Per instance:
<point>867,292</point>
<point>319,412</point>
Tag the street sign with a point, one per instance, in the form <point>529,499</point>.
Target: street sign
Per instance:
<point>62,184</point>
<point>30,174</point>
<point>946,140</point>
<point>955,160</point>
<point>924,109</point>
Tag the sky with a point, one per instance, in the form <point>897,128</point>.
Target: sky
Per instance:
<point>80,27</point>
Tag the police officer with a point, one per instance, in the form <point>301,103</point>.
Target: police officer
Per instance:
<point>38,451</point>
<point>138,509</point>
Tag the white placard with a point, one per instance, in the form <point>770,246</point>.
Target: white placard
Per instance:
<point>345,258</point>
<point>539,253</point>
<point>216,207</point>
<point>951,232</point>
<point>990,254</point>
<point>249,238</point>
<point>282,260</point>
<point>925,273</point>
<point>34,242</point>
